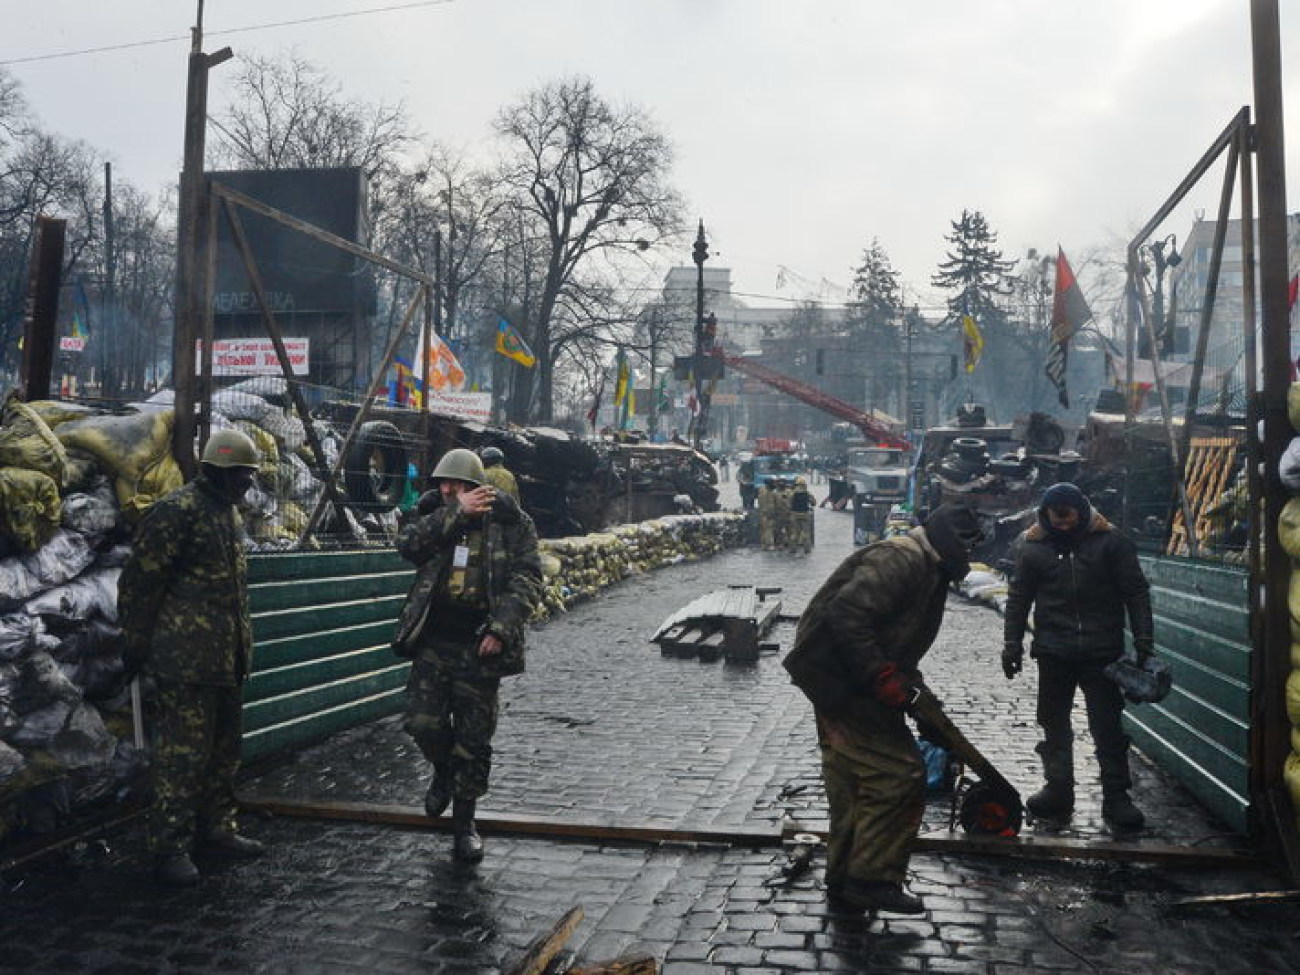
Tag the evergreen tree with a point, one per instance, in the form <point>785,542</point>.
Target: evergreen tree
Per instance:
<point>876,296</point>
<point>974,271</point>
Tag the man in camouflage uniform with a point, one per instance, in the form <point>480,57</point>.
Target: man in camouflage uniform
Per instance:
<point>767,515</point>
<point>183,608</point>
<point>479,577</point>
<point>497,474</point>
<point>801,517</point>
<point>856,655</point>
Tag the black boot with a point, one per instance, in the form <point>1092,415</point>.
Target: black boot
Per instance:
<point>439,794</point>
<point>1055,800</point>
<point>175,870</point>
<point>466,843</point>
<point>1120,814</point>
<point>233,846</point>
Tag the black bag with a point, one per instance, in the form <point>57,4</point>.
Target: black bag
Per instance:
<point>1144,680</point>
<point>410,623</point>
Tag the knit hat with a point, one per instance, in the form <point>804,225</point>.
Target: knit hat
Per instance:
<point>1065,495</point>
<point>954,530</point>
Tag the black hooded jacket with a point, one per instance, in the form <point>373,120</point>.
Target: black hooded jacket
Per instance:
<point>1080,585</point>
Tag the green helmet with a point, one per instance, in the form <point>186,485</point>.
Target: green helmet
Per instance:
<point>492,456</point>
<point>230,448</point>
<point>460,465</point>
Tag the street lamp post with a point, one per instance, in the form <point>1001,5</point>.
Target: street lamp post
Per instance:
<point>1163,262</point>
<point>700,254</point>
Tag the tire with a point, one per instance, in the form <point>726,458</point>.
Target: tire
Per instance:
<point>374,472</point>
<point>970,448</point>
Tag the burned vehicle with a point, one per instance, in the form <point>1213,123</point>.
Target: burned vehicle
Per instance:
<point>999,470</point>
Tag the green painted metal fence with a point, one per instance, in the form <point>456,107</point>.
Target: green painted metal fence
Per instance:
<point>321,660</point>
<point>1200,733</point>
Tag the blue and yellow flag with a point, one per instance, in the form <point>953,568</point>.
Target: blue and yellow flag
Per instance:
<point>972,341</point>
<point>512,345</point>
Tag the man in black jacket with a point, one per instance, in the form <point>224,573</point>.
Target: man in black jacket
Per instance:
<point>1082,577</point>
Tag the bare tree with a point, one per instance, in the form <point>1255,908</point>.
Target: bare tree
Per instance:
<point>285,113</point>
<point>589,180</point>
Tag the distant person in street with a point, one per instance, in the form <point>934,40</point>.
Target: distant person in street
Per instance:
<point>781,512</point>
<point>856,657</point>
<point>478,578</point>
<point>724,467</point>
<point>183,607</point>
<point>766,504</point>
<point>801,517</point>
<point>1081,576</point>
<point>497,474</point>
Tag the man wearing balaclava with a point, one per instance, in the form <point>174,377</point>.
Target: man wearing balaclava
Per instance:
<point>1081,576</point>
<point>856,657</point>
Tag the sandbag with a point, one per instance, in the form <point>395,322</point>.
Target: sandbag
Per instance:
<point>1289,466</point>
<point>1288,529</point>
<point>40,683</point>
<point>26,441</point>
<point>91,595</point>
<point>91,513</point>
<point>135,448</point>
<point>237,404</point>
<point>65,556</point>
<point>11,761</point>
<point>18,633</point>
<point>30,507</point>
<point>82,740</point>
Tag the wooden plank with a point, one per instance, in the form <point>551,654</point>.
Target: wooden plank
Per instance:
<point>280,566</point>
<point>633,964</point>
<point>1226,800</point>
<point>292,594</point>
<point>290,622</point>
<point>544,948</point>
<point>284,651</point>
<point>1222,619</point>
<point>1225,584</point>
<point>1221,655</point>
<point>308,700</point>
<point>310,728</point>
<point>326,669</point>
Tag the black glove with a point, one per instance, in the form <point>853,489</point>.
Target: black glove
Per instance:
<point>1013,659</point>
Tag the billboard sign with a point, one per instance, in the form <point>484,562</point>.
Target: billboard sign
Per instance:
<point>253,357</point>
<point>468,406</point>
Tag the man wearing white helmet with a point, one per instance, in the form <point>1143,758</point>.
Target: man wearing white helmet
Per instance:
<point>183,608</point>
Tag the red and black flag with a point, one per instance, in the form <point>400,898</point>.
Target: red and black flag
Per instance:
<point>1070,312</point>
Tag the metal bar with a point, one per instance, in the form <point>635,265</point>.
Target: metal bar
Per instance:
<point>361,414</point>
<point>1025,848</point>
<point>1275,346</point>
<point>277,339</point>
<point>324,236</point>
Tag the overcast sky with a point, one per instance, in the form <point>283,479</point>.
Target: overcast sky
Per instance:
<point>803,128</point>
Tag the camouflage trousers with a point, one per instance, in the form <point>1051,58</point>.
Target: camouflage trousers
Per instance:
<point>452,713</point>
<point>876,792</point>
<point>196,741</point>
<point>801,531</point>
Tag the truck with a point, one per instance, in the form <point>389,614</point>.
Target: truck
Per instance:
<point>772,458</point>
<point>878,477</point>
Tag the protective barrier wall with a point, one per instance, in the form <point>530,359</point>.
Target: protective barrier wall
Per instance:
<point>1200,733</point>
<point>322,662</point>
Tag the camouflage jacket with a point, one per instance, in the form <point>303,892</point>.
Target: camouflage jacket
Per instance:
<point>514,575</point>
<point>883,605</point>
<point>502,480</point>
<point>182,599</point>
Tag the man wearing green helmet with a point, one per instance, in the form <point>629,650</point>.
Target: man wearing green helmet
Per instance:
<point>183,608</point>
<point>478,578</point>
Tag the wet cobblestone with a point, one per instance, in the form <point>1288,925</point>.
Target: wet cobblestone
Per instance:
<point>604,729</point>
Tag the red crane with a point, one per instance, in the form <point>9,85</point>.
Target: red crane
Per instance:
<point>872,428</point>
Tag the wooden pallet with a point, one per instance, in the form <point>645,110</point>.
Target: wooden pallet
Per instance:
<point>727,622</point>
<point>1209,465</point>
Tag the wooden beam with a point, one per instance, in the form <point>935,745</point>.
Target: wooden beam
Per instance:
<point>539,954</point>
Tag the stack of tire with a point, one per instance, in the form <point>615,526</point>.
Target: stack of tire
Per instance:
<point>967,458</point>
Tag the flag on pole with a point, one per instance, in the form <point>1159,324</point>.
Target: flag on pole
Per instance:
<point>1070,312</point>
<point>620,379</point>
<point>972,341</point>
<point>512,345</point>
<point>445,372</point>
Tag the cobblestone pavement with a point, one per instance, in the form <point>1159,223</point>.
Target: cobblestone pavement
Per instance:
<point>603,729</point>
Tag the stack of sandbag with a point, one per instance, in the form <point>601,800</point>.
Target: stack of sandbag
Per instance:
<point>985,585</point>
<point>580,566</point>
<point>1288,531</point>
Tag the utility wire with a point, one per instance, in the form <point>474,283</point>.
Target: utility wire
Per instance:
<point>220,33</point>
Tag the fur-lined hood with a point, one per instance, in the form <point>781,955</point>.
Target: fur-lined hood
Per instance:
<point>1098,523</point>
